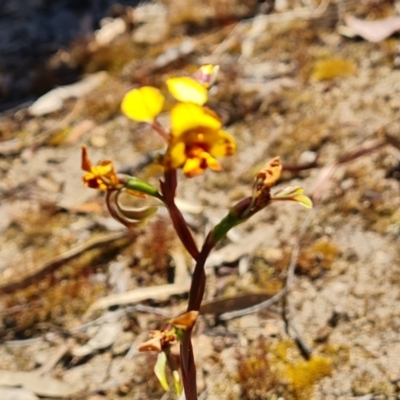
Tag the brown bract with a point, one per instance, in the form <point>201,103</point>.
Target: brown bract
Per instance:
<point>270,173</point>
<point>159,340</point>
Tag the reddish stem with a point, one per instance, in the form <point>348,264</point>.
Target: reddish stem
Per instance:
<point>188,366</point>
<point>168,189</point>
<point>160,130</point>
<point>196,294</point>
<point>199,276</point>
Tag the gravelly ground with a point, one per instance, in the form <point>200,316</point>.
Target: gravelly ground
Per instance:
<point>345,295</point>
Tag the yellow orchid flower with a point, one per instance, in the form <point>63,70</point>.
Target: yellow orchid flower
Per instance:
<point>143,104</point>
<point>104,177</point>
<point>101,176</point>
<point>196,139</point>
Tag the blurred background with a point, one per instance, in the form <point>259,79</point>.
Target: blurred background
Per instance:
<point>33,31</point>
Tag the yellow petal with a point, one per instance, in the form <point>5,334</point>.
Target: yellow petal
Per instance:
<point>211,162</point>
<point>289,192</point>
<point>186,117</point>
<point>293,193</point>
<point>143,104</point>
<point>102,170</point>
<point>224,145</point>
<point>192,167</point>
<point>187,90</point>
<point>303,200</point>
<point>176,155</point>
<point>93,181</point>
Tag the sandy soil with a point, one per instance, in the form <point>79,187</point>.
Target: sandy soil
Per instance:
<point>293,88</point>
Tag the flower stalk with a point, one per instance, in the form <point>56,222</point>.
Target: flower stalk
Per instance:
<point>195,141</point>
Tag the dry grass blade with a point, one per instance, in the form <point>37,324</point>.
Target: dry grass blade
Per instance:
<point>138,295</point>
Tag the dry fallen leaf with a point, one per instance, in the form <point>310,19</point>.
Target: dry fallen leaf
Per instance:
<point>373,31</point>
<point>233,303</point>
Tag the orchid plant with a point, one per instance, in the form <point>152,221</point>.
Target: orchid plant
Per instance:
<point>195,141</point>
